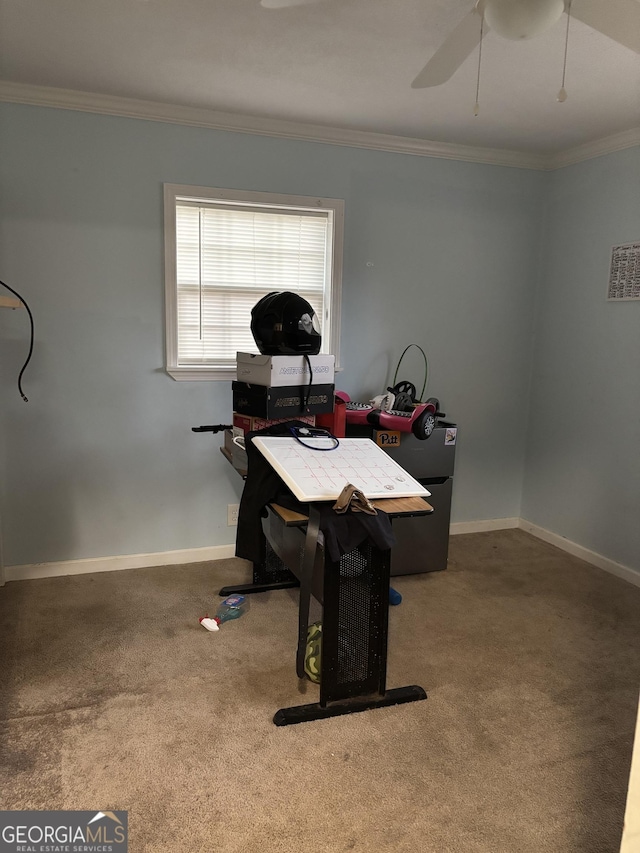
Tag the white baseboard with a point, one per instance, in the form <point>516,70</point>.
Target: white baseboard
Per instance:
<point>115,564</point>
<point>483,526</point>
<point>624,572</point>
<point>186,555</point>
<point>223,552</point>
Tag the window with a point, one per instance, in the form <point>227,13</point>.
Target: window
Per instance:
<point>226,249</point>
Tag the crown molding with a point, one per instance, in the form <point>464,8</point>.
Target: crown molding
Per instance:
<point>608,145</point>
<point>70,99</point>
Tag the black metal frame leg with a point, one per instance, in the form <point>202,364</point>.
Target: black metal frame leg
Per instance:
<point>269,574</point>
<point>354,641</point>
<point>316,711</point>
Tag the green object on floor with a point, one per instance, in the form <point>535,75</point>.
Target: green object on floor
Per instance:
<point>314,652</point>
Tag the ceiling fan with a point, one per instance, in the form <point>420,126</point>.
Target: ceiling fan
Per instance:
<point>516,19</point>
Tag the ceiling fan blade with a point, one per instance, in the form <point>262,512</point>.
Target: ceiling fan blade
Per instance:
<point>618,19</point>
<point>282,4</point>
<point>452,53</point>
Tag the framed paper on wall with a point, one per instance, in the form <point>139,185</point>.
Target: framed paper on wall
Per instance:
<point>624,272</point>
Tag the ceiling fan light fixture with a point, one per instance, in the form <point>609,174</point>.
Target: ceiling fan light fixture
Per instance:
<point>522,19</point>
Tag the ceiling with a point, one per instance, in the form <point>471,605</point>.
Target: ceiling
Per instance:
<point>344,64</point>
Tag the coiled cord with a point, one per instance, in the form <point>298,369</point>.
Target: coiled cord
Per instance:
<point>28,359</point>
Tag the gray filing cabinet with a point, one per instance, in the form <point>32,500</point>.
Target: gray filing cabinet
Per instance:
<point>422,544</point>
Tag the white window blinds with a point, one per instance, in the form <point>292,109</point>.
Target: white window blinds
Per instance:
<point>228,257</point>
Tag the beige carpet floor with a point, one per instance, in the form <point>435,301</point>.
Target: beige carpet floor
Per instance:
<point>113,697</point>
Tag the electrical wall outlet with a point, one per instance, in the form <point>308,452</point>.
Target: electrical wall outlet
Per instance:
<point>232,515</point>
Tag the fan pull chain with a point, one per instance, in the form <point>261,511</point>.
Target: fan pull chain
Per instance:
<point>562,94</point>
<point>476,108</point>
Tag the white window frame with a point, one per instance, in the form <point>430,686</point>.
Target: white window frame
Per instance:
<point>174,193</point>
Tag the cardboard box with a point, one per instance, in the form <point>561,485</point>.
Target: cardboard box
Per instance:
<point>281,403</point>
<point>247,423</point>
<point>388,439</point>
<point>277,370</point>
<point>239,459</point>
<point>235,454</point>
<point>228,442</point>
<point>336,421</point>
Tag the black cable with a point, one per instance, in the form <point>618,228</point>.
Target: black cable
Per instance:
<point>300,433</point>
<point>28,359</point>
<point>304,396</point>
<point>426,367</point>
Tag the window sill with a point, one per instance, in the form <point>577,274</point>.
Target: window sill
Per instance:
<point>208,374</point>
<point>202,374</point>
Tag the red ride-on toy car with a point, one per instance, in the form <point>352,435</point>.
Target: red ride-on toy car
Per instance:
<point>420,419</point>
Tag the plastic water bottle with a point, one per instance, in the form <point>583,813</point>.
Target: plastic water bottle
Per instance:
<point>231,607</point>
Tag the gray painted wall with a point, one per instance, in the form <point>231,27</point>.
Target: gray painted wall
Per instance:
<point>582,475</point>
<point>102,461</point>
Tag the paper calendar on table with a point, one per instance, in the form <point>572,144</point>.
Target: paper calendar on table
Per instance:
<point>320,475</point>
